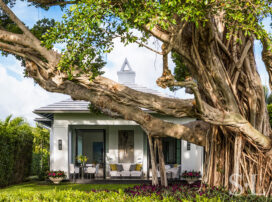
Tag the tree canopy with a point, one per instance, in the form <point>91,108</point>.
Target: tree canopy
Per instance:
<point>89,27</point>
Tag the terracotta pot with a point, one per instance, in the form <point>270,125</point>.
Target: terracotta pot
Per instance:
<point>56,180</point>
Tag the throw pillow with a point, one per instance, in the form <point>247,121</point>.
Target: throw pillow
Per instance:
<point>176,165</point>
<point>132,167</point>
<point>138,167</point>
<point>113,167</point>
<point>120,167</point>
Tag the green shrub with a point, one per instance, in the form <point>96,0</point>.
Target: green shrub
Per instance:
<point>75,195</point>
<point>269,109</point>
<point>40,156</point>
<point>16,151</point>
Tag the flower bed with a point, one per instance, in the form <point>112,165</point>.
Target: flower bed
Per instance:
<point>191,174</point>
<point>184,191</point>
<point>56,174</point>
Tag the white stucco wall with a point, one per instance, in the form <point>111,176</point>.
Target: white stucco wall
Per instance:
<point>112,155</point>
<point>60,159</point>
<point>191,159</point>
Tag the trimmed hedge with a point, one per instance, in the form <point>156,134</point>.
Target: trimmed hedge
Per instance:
<point>16,141</point>
<point>40,156</point>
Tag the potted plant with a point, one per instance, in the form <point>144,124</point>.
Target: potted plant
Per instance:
<point>56,176</point>
<point>191,176</point>
<point>82,159</point>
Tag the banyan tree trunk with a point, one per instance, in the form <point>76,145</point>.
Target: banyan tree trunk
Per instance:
<point>227,79</point>
<point>155,147</point>
<point>152,149</point>
<point>161,163</point>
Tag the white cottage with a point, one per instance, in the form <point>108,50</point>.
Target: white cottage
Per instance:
<point>106,142</point>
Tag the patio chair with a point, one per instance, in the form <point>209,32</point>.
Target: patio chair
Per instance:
<point>90,171</point>
<point>97,169</point>
<point>74,171</point>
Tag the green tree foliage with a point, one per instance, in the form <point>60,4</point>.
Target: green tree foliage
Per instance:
<point>269,109</point>
<point>16,140</point>
<point>88,62</point>
<point>181,72</point>
<point>269,99</point>
<point>89,27</point>
<point>267,95</point>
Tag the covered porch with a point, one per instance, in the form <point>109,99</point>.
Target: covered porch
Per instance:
<point>105,146</point>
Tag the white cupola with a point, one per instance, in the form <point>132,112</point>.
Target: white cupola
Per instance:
<point>126,75</point>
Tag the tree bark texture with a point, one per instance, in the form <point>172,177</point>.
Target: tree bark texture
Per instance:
<point>231,84</point>
<point>232,120</point>
<point>161,163</point>
<point>152,150</point>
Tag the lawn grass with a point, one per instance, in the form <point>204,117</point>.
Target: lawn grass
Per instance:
<point>45,187</point>
<point>41,191</point>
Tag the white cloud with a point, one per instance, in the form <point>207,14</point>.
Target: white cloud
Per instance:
<point>20,98</point>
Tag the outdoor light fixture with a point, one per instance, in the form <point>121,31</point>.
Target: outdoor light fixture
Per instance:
<point>60,144</point>
<point>188,146</point>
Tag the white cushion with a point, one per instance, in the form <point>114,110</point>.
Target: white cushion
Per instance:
<point>90,170</point>
<point>114,173</point>
<point>125,173</point>
<point>136,173</point>
<point>126,166</point>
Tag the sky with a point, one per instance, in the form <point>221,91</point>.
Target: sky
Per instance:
<point>20,96</point>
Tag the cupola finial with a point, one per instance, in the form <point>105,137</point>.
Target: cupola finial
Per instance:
<point>126,75</point>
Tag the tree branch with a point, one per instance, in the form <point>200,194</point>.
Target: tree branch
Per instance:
<point>35,42</point>
<point>16,20</point>
<point>53,2</point>
<point>157,33</point>
<point>241,61</point>
<point>155,126</point>
<point>15,38</point>
<point>15,48</point>
<point>149,48</point>
<point>222,45</point>
<point>12,49</point>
